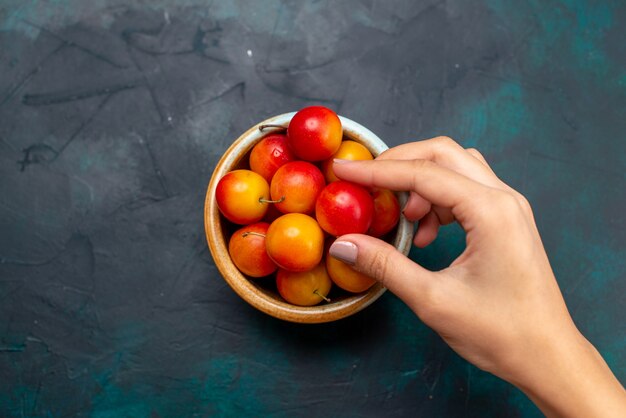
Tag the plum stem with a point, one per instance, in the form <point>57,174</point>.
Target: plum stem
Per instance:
<point>269,125</point>
<point>261,200</point>
<point>320,295</point>
<point>258,234</point>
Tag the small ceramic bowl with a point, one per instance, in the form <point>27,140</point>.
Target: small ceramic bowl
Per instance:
<point>257,292</point>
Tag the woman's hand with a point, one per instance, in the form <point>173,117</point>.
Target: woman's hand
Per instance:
<point>498,304</point>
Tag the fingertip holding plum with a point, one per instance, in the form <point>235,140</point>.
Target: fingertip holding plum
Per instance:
<point>344,251</point>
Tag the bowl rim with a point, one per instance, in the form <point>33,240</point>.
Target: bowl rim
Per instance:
<point>245,287</point>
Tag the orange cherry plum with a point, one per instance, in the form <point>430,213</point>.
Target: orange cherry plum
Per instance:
<point>295,187</point>
<point>346,277</point>
<point>305,288</point>
<point>242,196</point>
<point>344,208</point>
<point>295,242</point>
<point>314,133</point>
<point>269,154</point>
<point>386,212</point>
<point>348,150</point>
<point>247,250</point>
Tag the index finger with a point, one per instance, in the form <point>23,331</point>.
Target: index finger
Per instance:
<point>447,153</point>
<point>439,185</point>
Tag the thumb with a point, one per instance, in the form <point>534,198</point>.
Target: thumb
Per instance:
<point>375,258</point>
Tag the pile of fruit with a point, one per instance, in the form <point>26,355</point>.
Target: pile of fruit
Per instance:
<point>290,200</point>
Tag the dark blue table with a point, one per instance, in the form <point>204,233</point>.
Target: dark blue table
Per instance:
<point>113,115</point>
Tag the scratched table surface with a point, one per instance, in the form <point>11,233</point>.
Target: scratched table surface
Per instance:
<point>113,115</point>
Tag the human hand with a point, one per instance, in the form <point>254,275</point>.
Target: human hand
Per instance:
<point>498,304</point>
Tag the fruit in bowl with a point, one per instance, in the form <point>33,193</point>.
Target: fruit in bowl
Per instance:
<point>273,199</point>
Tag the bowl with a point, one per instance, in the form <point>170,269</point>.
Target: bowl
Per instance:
<point>253,291</point>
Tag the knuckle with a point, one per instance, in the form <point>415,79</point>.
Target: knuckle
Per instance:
<point>420,164</point>
<point>476,153</point>
<point>480,157</point>
<point>524,203</point>
<point>417,168</point>
<point>443,145</point>
<point>377,266</point>
<point>503,208</point>
<point>508,207</point>
<point>507,202</point>
<point>491,209</point>
<point>445,141</point>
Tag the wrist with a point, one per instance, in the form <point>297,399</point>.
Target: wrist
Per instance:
<point>567,377</point>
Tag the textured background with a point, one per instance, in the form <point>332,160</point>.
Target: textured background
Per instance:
<point>114,113</point>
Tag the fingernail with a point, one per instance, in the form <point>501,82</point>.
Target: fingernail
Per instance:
<point>340,161</point>
<point>344,251</point>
